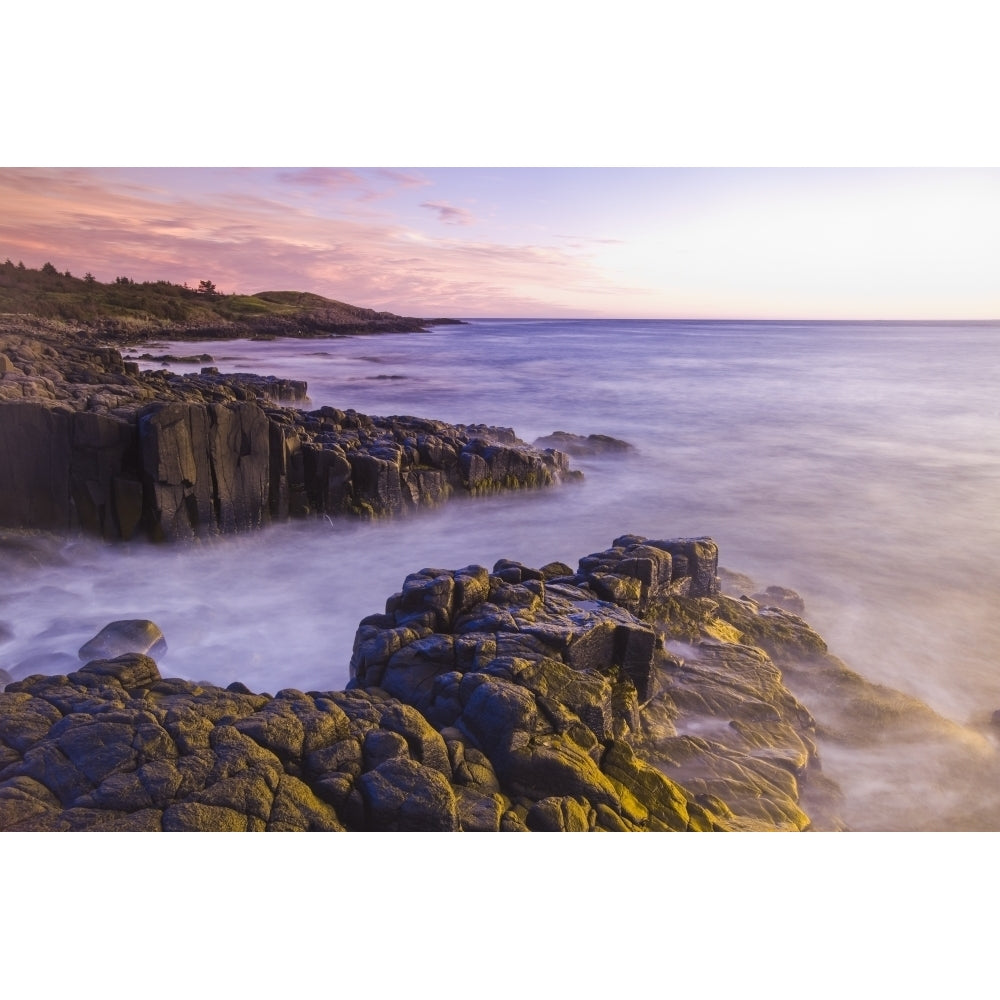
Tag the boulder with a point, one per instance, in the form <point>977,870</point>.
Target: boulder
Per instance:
<point>127,636</point>
<point>400,794</point>
<point>131,670</point>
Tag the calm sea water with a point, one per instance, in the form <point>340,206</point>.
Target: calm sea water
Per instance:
<point>856,463</point>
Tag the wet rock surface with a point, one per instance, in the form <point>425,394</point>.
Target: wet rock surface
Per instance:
<point>508,699</point>
<point>91,443</point>
<point>580,446</point>
<point>127,636</point>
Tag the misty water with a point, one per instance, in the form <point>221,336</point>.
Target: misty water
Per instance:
<point>858,464</point>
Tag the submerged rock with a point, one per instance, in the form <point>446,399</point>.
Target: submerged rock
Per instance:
<point>781,597</point>
<point>578,446</point>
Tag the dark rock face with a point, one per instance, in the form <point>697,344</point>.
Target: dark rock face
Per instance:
<point>517,699</point>
<point>205,469</point>
<point>90,443</point>
<point>35,448</point>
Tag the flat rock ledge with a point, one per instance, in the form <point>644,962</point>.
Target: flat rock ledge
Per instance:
<point>620,697</point>
<point>88,442</point>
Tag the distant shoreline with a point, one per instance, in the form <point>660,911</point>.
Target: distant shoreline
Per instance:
<point>125,312</point>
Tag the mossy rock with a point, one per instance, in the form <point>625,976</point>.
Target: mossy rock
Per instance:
<point>781,634</point>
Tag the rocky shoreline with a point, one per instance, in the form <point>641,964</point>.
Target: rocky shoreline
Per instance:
<point>89,442</point>
<point>642,691</point>
<point>517,699</point>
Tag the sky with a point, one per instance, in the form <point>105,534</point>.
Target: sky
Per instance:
<point>673,242</point>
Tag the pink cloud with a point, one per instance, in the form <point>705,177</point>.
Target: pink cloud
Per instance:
<point>449,213</point>
<point>253,237</point>
<point>402,178</point>
<point>366,185</point>
<point>321,177</point>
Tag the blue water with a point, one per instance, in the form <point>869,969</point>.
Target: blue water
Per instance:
<point>857,463</point>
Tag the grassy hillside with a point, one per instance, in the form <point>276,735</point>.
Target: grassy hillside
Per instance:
<point>129,310</point>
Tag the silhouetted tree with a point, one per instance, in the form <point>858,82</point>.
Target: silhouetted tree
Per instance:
<point>206,288</point>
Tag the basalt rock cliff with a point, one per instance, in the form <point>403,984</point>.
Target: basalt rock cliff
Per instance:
<point>89,442</point>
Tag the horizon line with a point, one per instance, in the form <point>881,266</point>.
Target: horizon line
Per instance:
<point>710,319</point>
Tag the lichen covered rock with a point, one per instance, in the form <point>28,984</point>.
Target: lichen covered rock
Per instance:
<point>511,699</point>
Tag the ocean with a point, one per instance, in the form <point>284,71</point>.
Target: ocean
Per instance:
<point>856,463</point>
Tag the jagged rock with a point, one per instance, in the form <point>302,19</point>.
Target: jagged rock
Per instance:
<point>93,444</point>
<point>520,699</point>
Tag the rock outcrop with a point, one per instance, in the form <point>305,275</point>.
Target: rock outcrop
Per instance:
<point>620,696</point>
<point>89,442</point>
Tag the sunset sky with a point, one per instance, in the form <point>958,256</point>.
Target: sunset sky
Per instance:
<point>467,242</point>
<point>538,114</point>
